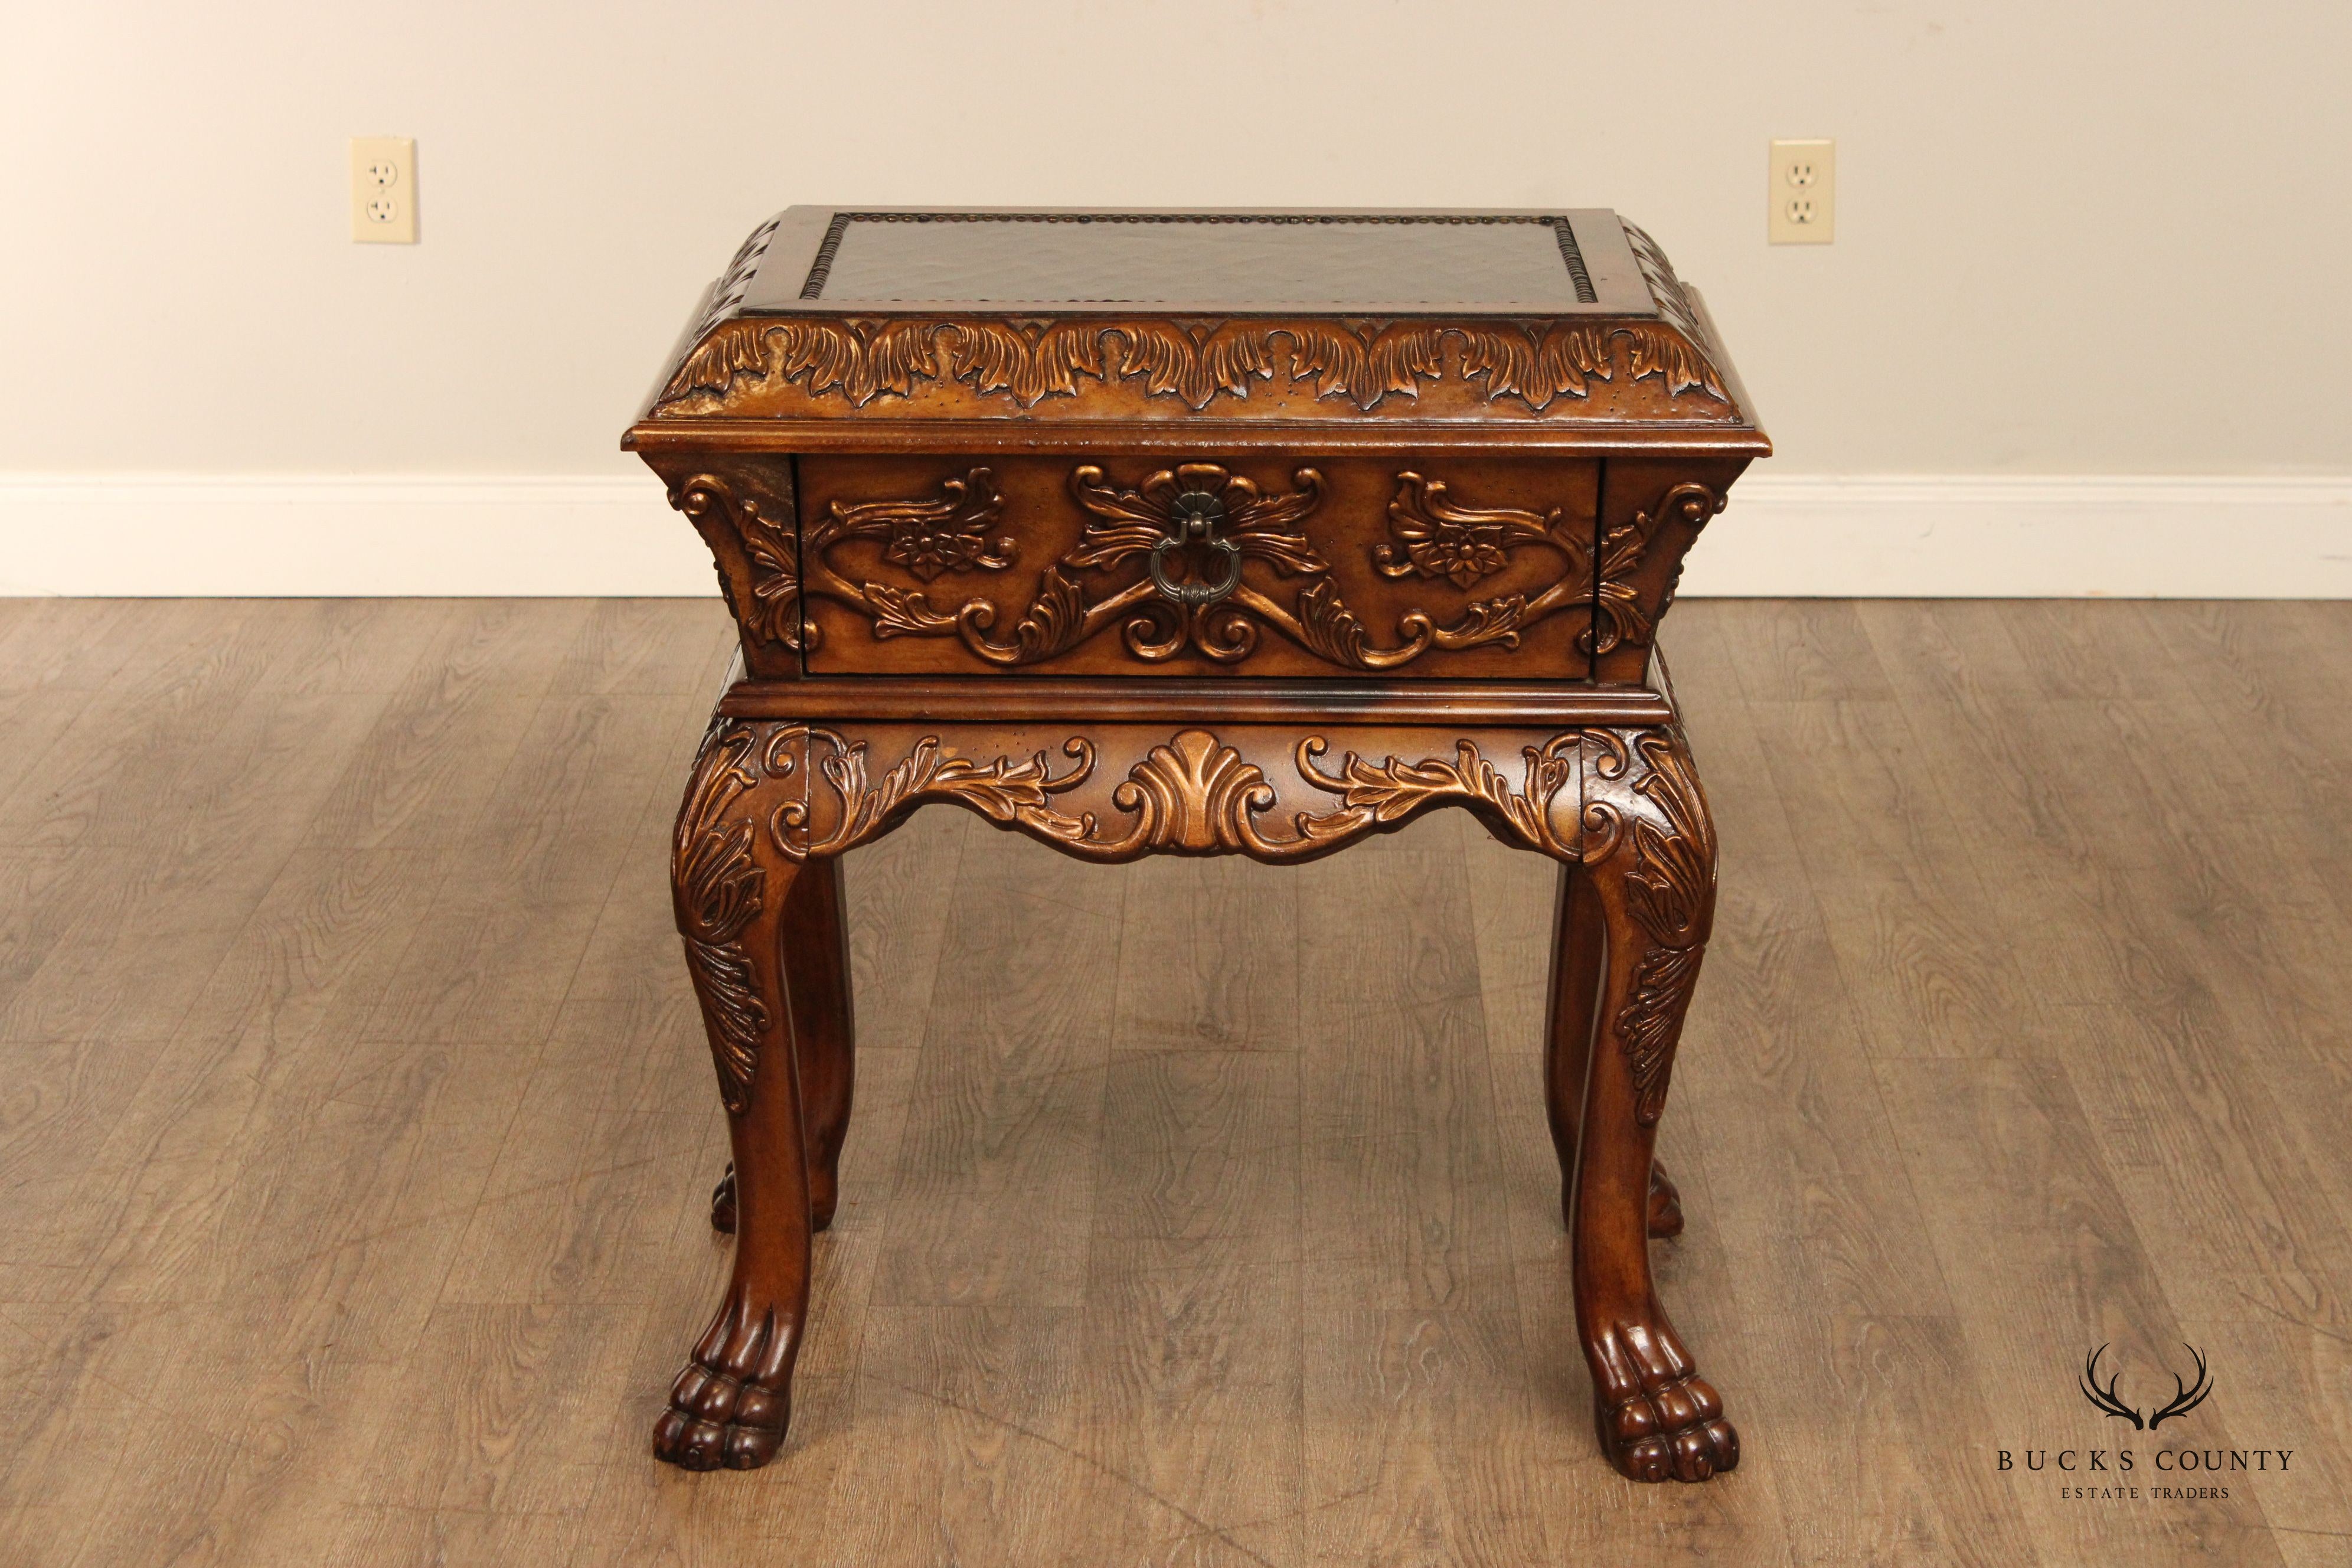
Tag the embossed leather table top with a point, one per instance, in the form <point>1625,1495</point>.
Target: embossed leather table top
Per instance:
<point>1545,323</point>
<point>1196,534</point>
<point>1231,260</point>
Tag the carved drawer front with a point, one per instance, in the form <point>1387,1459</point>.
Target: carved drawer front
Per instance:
<point>1407,565</point>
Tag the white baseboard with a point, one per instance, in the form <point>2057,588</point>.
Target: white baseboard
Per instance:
<point>363,535</point>
<point>1911,536</point>
<point>2034,537</point>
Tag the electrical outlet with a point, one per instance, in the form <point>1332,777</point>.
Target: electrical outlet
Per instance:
<point>384,190</point>
<point>1803,194</point>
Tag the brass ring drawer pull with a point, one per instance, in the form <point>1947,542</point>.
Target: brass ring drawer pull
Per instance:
<point>1197,514</point>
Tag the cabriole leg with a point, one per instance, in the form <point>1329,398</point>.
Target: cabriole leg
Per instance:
<point>1578,944</point>
<point>1578,941</point>
<point>817,994</point>
<point>816,981</point>
<point>1650,867</point>
<point>733,886</point>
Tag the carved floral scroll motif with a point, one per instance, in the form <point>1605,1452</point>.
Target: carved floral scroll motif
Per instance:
<point>1618,614</point>
<point>927,537</point>
<point>1439,537</point>
<point>1025,361</point>
<point>1012,790</point>
<point>1435,537</point>
<point>1194,793</point>
<point>772,551</point>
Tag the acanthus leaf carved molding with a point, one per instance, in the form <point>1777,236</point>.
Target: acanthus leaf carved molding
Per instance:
<point>1681,359</point>
<point>1024,360</point>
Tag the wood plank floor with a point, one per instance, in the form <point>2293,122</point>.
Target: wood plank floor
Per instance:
<point>356,1128</point>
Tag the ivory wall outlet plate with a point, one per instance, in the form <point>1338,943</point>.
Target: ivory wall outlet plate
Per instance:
<point>1804,192</point>
<point>384,190</point>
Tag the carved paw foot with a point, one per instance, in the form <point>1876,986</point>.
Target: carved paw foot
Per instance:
<point>731,1406</point>
<point>1662,1422</point>
<point>722,1203</point>
<point>1666,1204</point>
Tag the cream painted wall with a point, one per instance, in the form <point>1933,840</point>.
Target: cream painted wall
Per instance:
<point>2042,265</point>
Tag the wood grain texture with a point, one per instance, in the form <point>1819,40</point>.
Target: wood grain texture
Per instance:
<point>362,1222</point>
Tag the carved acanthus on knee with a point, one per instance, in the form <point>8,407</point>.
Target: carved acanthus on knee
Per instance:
<point>1650,844</point>
<point>721,888</point>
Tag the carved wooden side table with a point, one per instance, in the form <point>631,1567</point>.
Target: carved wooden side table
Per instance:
<point>1196,534</point>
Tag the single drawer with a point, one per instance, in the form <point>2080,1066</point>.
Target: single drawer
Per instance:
<point>1407,564</point>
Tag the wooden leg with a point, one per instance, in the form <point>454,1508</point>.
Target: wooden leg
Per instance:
<point>816,976</point>
<point>1652,873</point>
<point>1577,944</point>
<point>817,993</point>
<point>1578,941</point>
<point>733,886</point>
